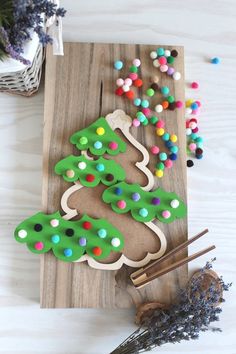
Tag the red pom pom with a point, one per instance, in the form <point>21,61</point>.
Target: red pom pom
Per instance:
<point>130,95</point>
<point>97,251</point>
<point>119,91</point>
<point>138,83</point>
<point>90,178</point>
<point>87,225</point>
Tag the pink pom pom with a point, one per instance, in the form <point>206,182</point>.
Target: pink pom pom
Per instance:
<point>128,82</point>
<point>162,60</point>
<point>166,214</point>
<point>136,122</point>
<point>133,76</point>
<point>39,246</point>
<point>195,111</point>
<point>119,82</point>
<point>192,125</point>
<point>179,104</point>
<point>163,68</point>
<point>160,124</point>
<point>195,130</point>
<point>194,85</point>
<point>154,150</point>
<point>192,147</point>
<point>168,163</point>
<point>113,145</point>
<point>198,103</point>
<point>121,204</point>
<point>146,111</point>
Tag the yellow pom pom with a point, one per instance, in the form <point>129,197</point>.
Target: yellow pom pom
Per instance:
<point>159,173</point>
<point>189,102</point>
<point>173,138</point>
<point>160,131</point>
<point>100,131</point>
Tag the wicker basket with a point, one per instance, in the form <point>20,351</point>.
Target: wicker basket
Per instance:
<point>24,82</point>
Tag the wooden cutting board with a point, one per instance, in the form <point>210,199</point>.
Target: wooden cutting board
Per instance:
<point>79,88</point>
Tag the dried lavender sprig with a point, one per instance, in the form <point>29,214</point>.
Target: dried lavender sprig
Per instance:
<point>182,321</point>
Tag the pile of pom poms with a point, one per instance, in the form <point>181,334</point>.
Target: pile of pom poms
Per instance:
<point>162,58</point>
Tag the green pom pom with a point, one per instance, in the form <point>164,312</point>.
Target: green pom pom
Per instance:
<point>170,60</point>
<point>170,99</point>
<point>153,120</point>
<point>160,166</point>
<point>150,92</point>
<point>133,69</point>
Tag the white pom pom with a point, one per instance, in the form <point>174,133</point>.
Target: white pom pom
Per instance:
<point>176,76</point>
<point>158,108</point>
<point>115,242</point>
<point>167,53</point>
<point>188,111</point>
<point>22,233</point>
<point>125,88</point>
<point>156,63</point>
<point>174,203</point>
<point>188,131</point>
<point>82,165</point>
<point>153,55</point>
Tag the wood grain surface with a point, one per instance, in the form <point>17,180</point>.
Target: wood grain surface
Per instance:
<point>79,88</point>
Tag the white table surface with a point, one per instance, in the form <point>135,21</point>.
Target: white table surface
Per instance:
<point>206,29</point>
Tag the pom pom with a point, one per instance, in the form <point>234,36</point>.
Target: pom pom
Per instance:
<point>118,65</point>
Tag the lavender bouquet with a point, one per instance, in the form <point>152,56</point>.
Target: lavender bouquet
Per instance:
<point>18,18</point>
<point>197,308</point>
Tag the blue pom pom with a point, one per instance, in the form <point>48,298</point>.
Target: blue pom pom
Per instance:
<point>169,144</point>
<point>194,106</point>
<point>118,65</point>
<point>173,157</point>
<point>68,252</point>
<point>118,191</point>
<point>215,60</point>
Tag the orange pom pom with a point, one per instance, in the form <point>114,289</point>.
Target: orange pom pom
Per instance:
<point>165,104</point>
<point>138,83</point>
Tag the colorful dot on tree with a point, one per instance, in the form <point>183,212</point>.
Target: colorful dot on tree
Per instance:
<point>166,214</point>
<point>109,177</point>
<point>118,191</point>
<point>100,131</point>
<point>174,203</point>
<point>39,246</point>
<point>121,204</point>
<point>68,252</point>
<point>113,145</point>
<point>97,145</point>
<point>87,225</point>
<point>55,239</point>
<point>22,233</point>
<point>156,201</point>
<point>82,165</point>
<point>115,242</point>
<point>143,212</point>
<point>102,233</point>
<point>70,173</point>
<point>100,167</point>
<point>54,222</point>
<point>97,251</point>
<point>136,197</point>
<point>38,227</point>
<point>69,232</point>
<point>82,241</point>
<point>83,140</point>
<point>90,178</point>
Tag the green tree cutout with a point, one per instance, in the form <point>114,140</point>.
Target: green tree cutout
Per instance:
<point>70,240</point>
